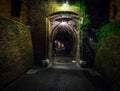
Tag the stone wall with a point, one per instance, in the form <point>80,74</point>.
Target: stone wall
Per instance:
<point>37,21</point>
<point>38,18</point>
<point>16,54</point>
<point>34,13</point>
<point>108,52</point>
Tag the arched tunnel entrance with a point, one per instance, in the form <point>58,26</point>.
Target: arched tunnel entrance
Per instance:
<point>64,34</point>
<point>63,39</point>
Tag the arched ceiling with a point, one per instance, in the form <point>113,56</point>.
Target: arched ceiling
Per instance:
<point>64,25</point>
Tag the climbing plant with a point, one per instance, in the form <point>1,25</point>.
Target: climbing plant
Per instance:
<point>83,10</point>
<point>107,30</point>
<point>81,4</point>
<point>107,60</point>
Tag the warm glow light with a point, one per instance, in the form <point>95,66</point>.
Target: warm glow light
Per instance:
<point>63,23</point>
<point>73,61</point>
<point>65,6</point>
<point>81,20</point>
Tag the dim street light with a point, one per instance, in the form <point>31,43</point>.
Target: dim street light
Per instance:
<point>65,6</point>
<point>63,23</point>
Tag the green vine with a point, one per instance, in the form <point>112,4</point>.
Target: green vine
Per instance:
<point>85,15</point>
<point>107,30</point>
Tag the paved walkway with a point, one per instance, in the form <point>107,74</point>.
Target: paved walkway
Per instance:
<point>65,63</point>
<point>58,77</point>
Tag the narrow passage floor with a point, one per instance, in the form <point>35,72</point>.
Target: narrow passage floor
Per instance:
<point>61,76</point>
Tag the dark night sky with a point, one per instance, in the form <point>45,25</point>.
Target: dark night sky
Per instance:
<point>99,11</point>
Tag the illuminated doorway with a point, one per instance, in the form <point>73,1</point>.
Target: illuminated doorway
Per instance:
<point>63,34</point>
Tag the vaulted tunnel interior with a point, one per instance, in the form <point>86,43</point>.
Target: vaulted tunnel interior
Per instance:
<point>63,34</point>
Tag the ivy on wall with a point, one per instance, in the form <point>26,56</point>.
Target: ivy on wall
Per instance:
<point>107,30</point>
<point>85,15</point>
<point>107,60</point>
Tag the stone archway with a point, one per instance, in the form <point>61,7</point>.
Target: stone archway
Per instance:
<point>64,37</point>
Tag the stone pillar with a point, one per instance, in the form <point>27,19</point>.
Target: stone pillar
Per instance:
<point>78,46</point>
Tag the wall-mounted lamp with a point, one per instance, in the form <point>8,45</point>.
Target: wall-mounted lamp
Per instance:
<point>63,23</point>
<point>65,6</point>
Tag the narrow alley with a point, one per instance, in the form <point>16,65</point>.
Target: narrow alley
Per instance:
<point>59,45</point>
<point>61,76</point>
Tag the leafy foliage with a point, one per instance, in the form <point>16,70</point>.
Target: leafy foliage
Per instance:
<point>107,60</point>
<point>107,30</point>
<point>85,15</point>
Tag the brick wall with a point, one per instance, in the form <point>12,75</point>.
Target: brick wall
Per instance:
<point>16,54</point>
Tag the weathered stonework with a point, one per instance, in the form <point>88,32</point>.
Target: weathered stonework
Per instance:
<point>107,60</point>
<point>16,51</point>
<point>38,19</point>
<point>114,10</point>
